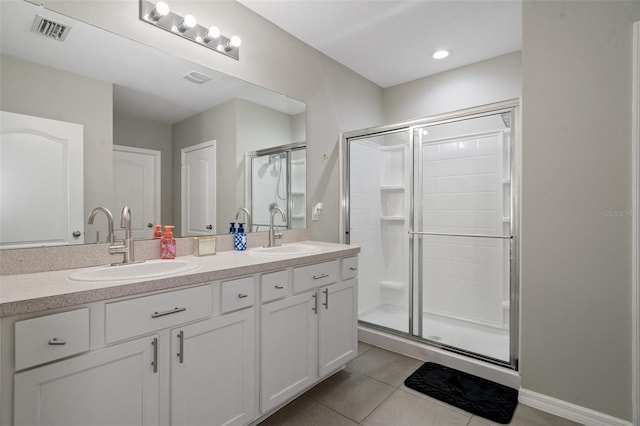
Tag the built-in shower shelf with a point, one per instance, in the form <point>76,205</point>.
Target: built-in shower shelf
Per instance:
<point>391,187</point>
<point>394,285</point>
<point>297,216</point>
<point>392,218</point>
<point>297,193</point>
<point>506,181</point>
<point>506,219</point>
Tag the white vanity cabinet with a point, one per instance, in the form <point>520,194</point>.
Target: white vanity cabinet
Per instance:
<point>306,336</point>
<point>111,386</point>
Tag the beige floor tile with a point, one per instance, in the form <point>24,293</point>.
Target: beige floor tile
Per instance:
<point>388,367</point>
<point>527,416</point>
<point>433,400</point>
<point>363,347</point>
<point>304,411</point>
<point>405,409</point>
<point>351,394</point>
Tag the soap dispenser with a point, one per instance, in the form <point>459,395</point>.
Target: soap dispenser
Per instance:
<point>240,238</point>
<point>157,233</point>
<point>168,244</point>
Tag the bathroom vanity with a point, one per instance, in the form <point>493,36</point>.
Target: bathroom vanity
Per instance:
<point>227,343</point>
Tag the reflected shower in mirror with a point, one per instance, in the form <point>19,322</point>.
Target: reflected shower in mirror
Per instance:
<point>141,111</point>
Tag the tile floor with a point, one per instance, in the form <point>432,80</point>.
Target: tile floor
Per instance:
<point>370,392</point>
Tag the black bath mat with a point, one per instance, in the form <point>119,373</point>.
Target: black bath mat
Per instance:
<point>474,394</point>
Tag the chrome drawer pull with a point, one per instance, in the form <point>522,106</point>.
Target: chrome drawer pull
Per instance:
<point>279,287</point>
<point>181,347</point>
<point>154,363</point>
<point>326,294</point>
<point>314,308</point>
<point>354,268</point>
<point>56,342</point>
<point>242,296</point>
<point>317,277</point>
<point>169,312</point>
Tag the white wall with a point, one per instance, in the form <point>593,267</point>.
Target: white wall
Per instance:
<point>493,80</point>
<point>60,95</point>
<point>337,99</point>
<point>576,258</point>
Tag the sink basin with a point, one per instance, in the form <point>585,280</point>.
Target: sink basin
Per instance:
<point>285,250</point>
<point>149,269</point>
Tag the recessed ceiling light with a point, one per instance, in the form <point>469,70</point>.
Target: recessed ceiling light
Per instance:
<point>440,54</point>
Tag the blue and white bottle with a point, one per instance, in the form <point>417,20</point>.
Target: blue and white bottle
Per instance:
<point>240,238</point>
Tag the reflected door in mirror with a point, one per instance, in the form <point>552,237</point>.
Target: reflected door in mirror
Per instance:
<point>136,184</point>
<point>199,189</point>
<point>41,182</point>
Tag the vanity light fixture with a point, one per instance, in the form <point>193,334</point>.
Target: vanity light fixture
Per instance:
<point>159,15</point>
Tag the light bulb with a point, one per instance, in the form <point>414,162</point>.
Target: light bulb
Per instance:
<point>189,21</point>
<point>214,32</point>
<point>161,9</point>
<point>440,54</point>
<point>235,41</point>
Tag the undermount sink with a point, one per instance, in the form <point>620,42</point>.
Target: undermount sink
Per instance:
<point>284,250</point>
<point>149,269</point>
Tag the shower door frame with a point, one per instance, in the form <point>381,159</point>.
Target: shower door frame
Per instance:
<point>512,106</point>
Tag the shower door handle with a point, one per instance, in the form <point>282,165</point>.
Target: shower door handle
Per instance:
<point>444,234</point>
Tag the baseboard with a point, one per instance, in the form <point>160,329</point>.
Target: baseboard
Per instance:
<point>568,410</point>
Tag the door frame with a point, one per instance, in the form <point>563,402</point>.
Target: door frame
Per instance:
<point>635,221</point>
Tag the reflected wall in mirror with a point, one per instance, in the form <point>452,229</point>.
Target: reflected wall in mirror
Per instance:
<point>140,109</point>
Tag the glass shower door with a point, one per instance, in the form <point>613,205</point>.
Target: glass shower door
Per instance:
<point>462,230</point>
<point>378,170</point>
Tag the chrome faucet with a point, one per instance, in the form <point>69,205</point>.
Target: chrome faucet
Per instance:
<point>273,235</point>
<point>127,245</point>
<point>94,212</point>
<point>246,212</point>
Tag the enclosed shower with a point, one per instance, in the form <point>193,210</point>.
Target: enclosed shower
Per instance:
<point>277,179</point>
<point>431,203</point>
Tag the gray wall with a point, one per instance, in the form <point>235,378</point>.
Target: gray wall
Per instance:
<point>142,133</point>
<point>337,99</point>
<point>576,259</point>
<point>493,80</point>
<point>60,95</point>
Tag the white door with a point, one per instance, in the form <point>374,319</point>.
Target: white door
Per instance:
<point>199,189</point>
<point>212,371</point>
<point>338,333</point>
<point>289,348</point>
<point>41,182</point>
<point>136,183</point>
<point>112,386</point>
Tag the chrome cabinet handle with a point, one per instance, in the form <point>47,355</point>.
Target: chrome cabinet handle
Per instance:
<point>317,277</point>
<point>154,362</point>
<point>242,296</point>
<point>181,347</point>
<point>56,342</point>
<point>279,287</point>
<point>315,303</point>
<point>326,298</point>
<point>169,312</point>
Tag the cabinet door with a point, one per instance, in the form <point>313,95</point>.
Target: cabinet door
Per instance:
<point>212,371</point>
<point>288,361</point>
<point>338,339</point>
<point>112,386</point>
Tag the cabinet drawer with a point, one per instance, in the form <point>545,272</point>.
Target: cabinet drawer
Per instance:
<point>51,337</point>
<point>134,317</point>
<point>274,285</point>
<point>237,294</point>
<point>312,276</point>
<point>349,268</point>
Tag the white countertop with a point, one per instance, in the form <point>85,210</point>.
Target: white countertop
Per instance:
<point>26,293</point>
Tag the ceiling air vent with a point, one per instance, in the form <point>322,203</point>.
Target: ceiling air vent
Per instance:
<point>50,28</point>
<point>196,77</point>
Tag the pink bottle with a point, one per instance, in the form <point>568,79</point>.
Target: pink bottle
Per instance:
<point>168,244</point>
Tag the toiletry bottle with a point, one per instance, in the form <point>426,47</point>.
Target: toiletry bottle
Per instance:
<point>232,227</point>
<point>158,232</point>
<point>240,238</point>
<point>168,244</point>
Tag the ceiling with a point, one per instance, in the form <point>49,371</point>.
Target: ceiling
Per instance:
<point>390,42</point>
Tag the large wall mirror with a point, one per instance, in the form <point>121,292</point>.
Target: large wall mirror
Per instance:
<point>92,119</point>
